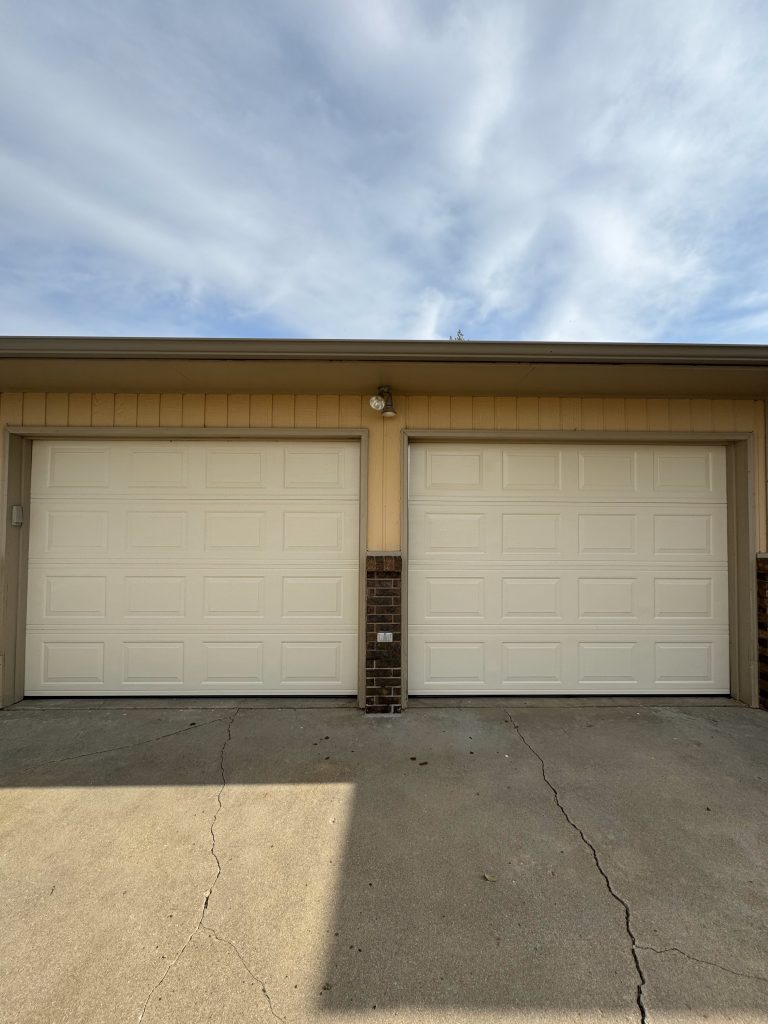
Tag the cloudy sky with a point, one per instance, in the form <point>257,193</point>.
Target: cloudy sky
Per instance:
<point>531,169</point>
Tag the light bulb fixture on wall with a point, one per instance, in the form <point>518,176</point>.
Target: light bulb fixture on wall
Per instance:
<point>382,401</point>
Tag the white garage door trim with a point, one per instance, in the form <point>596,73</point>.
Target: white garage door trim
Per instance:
<point>251,630</point>
<point>740,547</point>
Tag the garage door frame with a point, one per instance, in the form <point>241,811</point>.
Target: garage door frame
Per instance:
<point>16,485</point>
<point>742,549</point>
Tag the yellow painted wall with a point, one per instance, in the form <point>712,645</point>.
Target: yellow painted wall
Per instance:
<point>419,411</point>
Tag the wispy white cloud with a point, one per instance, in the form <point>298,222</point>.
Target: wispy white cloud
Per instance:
<point>388,169</point>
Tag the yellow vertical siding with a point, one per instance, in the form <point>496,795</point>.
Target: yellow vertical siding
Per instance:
<point>238,411</point>
<point>461,413</point>
<point>528,414</point>
<point>215,410</point>
<point>171,410</point>
<point>80,410</point>
<point>506,413</point>
<point>328,411</point>
<point>148,411</point>
<point>374,423</point>
<point>126,407</point>
<point>464,413</point>
<point>305,411</point>
<point>261,410</point>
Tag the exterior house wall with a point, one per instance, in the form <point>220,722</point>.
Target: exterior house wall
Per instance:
<point>414,412</point>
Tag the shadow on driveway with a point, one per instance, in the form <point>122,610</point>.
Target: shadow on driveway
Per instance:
<point>232,861</point>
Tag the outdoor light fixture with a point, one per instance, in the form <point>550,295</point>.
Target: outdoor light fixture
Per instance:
<point>382,401</point>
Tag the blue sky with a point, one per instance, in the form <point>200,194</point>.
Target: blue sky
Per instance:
<point>539,169</point>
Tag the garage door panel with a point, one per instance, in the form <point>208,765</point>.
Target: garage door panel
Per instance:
<point>499,596</point>
<point>531,533</point>
<point>532,470</point>
<point>155,595</point>
<point>558,662</point>
<point>73,467</point>
<point>246,468</point>
<point>695,472</point>
<point>574,473</point>
<point>608,471</point>
<point>187,566</point>
<point>164,662</point>
<point>225,530</point>
<point>605,532</point>
<point>540,573</point>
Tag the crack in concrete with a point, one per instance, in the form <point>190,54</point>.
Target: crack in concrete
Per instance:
<point>204,910</point>
<point>640,992</point>
<point>708,963</point>
<point>241,958</point>
<point>126,746</point>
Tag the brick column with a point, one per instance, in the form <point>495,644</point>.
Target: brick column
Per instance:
<point>383,614</point>
<point>762,628</point>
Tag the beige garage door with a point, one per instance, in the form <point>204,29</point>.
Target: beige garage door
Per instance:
<point>567,569</point>
<point>193,567</point>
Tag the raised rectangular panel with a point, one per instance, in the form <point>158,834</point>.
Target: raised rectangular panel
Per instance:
<point>532,471</point>
<point>683,599</point>
<point>454,532</point>
<point>458,598</point>
<point>314,469</point>
<point>69,596</point>
<point>233,530</point>
<point>684,662</point>
<point>682,534</point>
<point>605,534</point>
<point>531,662</point>
<point>72,662</point>
<point>607,598</point>
<point>232,662</point>
<point>687,471</point>
<point>157,467</point>
<point>530,598</point>
<point>78,467</point>
<point>311,596</point>
<point>148,596</point>
<point>76,530</point>
<point>156,530</point>
<point>522,532</point>
<point>607,662</point>
<point>454,470</point>
<point>614,471</point>
<point>454,662</point>
<point>312,531</point>
<point>233,468</point>
<point>233,596</point>
<point>153,662</point>
<point>311,662</point>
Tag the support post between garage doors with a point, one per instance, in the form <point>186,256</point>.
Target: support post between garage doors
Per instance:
<point>184,562</point>
<point>666,610</point>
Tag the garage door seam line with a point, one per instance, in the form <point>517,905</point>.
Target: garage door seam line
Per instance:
<point>639,997</point>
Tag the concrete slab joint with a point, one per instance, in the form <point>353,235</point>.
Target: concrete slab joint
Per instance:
<point>383,616</point>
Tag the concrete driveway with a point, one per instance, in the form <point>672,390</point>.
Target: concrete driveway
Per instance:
<point>239,861</point>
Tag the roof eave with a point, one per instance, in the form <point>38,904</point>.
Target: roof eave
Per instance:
<point>354,350</point>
